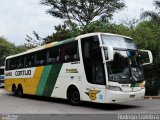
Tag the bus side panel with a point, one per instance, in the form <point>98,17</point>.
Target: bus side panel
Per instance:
<point>52,79</point>
<point>33,83</point>
<point>8,84</point>
<point>69,75</point>
<point>43,80</point>
<point>29,84</point>
<point>47,80</point>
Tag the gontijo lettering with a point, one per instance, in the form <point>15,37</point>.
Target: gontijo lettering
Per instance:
<point>23,72</point>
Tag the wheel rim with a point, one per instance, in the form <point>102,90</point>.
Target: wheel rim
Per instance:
<point>75,97</point>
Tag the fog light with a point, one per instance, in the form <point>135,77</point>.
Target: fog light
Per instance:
<point>115,88</point>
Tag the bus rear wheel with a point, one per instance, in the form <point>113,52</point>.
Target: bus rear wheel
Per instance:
<point>20,91</point>
<point>74,96</point>
<point>14,90</point>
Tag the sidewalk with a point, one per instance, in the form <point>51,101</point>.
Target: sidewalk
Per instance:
<point>151,97</point>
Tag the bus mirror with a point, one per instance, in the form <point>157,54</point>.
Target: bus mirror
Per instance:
<point>147,59</point>
<point>110,54</point>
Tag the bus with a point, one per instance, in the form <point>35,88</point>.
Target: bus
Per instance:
<point>94,67</point>
<point>2,76</point>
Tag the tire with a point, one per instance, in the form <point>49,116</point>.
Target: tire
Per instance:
<point>20,92</point>
<point>14,90</point>
<point>74,97</point>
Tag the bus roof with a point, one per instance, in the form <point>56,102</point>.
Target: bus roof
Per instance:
<point>64,42</point>
<point>100,33</point>
<point>57,43</point>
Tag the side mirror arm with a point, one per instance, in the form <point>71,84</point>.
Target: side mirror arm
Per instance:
<point>150,57</point>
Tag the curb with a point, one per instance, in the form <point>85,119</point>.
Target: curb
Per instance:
<point>151,97</point>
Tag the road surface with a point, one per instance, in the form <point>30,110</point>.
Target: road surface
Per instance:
<point>10,104</point>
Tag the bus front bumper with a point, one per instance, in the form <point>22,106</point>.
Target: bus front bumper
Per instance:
<point>120,96</point>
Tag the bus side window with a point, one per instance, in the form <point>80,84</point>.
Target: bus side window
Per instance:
<point>17,62</point>
<point>70,52</point>
<point>21,62</point>
<point>30,60</point>
<point>53,55</point>
<point>41,58</point>
<point>8,64</point>
<point>13,64</point>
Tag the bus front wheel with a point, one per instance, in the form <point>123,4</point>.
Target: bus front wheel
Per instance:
<point>73,96</point>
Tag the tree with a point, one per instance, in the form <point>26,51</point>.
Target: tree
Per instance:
<point>152,14</point>
<point>83,11</point>
<point>7,49</point>
<point>34,42</point>
<point>146,34</point>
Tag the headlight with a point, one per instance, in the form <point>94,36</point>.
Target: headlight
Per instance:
<point>115,88</point>
<point>143,85</point>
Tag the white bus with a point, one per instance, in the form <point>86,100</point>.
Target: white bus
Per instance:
<point>95,67</point>
<point>2,76</point>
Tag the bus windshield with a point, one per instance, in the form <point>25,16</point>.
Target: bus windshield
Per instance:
<point>118,42</point>
<point>125,68</point>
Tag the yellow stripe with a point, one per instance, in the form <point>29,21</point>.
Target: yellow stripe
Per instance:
<point>50,45</point>
<point>29,84</point>
<point>36,77</point>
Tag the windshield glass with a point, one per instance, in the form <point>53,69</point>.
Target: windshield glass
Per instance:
<point>118,42</point>
<point>125,68</point>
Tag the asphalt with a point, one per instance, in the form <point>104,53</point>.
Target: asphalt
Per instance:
<point>40,108</point>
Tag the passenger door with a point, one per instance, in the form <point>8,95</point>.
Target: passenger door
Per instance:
<point>95,83</point>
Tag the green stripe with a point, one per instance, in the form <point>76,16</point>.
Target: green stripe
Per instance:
<point>43,80</point>
<point>51,81</point>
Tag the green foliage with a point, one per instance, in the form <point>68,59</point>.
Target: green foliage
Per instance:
<point>34,42</point>
<point>65,31</point>
<point>153,15</point>
<point>7,48</point>
<point>146,35</point>
<point>83,11</point>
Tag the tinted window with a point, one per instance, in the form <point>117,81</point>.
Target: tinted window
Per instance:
<point>21,62</point>
<point>13,63</point>
<point>8,64</point>
<point>41,58</point>
<point>30,60</point>
<point>92,59</point>
<point>69,52</point>
<point>54,55</point>
<point>63,53</point>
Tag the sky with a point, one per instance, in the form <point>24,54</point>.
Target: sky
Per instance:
<point>19,18</point>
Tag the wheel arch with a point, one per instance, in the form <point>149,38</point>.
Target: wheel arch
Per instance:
<point>19,86</point>
<point>13,87</point>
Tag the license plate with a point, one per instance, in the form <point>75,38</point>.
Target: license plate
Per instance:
<point>132,96</point>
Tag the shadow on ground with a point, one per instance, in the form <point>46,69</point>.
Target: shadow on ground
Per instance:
<point>112,107</point>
